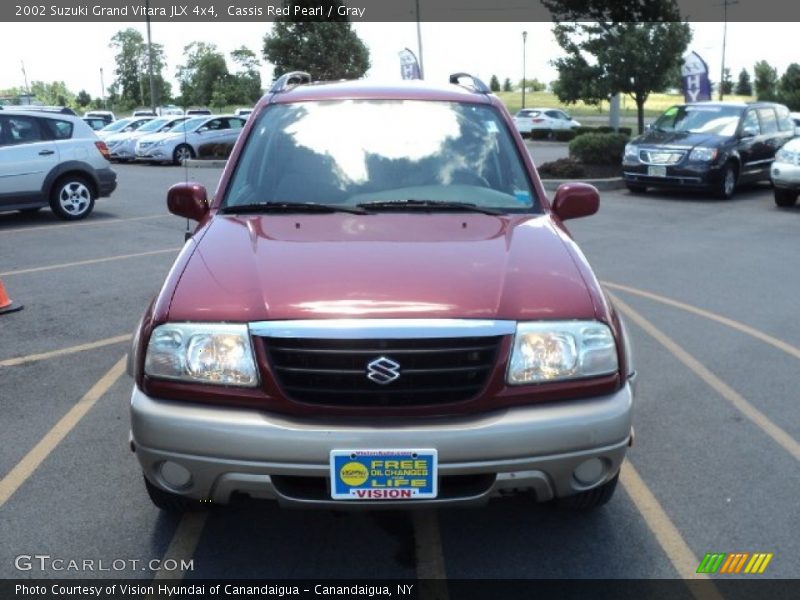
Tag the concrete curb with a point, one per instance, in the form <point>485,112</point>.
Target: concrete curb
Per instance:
<point>194,163</point>
<point>603,185</point>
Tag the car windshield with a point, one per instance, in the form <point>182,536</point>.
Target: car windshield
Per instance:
<point>154,125</point>
<point>189,125</point>
<point>117,125</point>
<point>719,120</point>
<point>357,152</point>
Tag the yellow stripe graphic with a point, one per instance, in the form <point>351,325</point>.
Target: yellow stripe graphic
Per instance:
<point>767,558</point>
<point>754,563</point>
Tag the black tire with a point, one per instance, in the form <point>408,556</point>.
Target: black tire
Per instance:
<point>785,198</point>
<point>727,183</point>
<point>591,499</point>
<point>636,189</point>
<point>72,198</point>
<point>181,153</point>
<point>169,502</point>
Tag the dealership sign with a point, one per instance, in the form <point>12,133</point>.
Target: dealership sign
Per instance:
<point>694,79</point>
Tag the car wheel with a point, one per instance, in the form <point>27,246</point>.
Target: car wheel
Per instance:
<point>636,189</point>
<point>785,198</point>
<point>727,184</point>
<point>169,502</point>
<point>591,499</point>
<point>182,153</point>
<point>72,198</point>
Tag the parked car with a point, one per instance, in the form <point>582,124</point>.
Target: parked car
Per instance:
<point>52,159</point>
<point>105,115</point>
<point>796,119</point>
<point>785,173</point>
<point>184,140</point>
<point>709,145</point>
<point>197,112</point>
<point>123,125</point>
<point>122,146</point>
<point>170,110</point>
<point>528,119</point>
<point>385,315</point>
<point>243,112</point>
<point>143,112</point>
<point>95,123</point>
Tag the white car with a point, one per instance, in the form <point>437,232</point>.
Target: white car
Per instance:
<point>796,118</point>
<point>184,140</point>
<point>785,173</point>
<point>123,125</point>
<point>53,159</point>
<point>529,119</point>
<point>243,112</point>
<point>122,146</point>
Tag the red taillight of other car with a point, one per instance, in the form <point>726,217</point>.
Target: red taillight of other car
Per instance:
<point>101,146</point>
<point>538,120</point>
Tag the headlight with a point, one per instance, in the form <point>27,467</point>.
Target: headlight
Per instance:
<point>783,155</point>
<point>161,143</point>
<point>703,154</point>
<point>631,152</point>
<point>202,352</point>
<point>557,350</point>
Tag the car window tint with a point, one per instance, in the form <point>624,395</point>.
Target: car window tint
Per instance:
<point>234,123</point>
<point>553,114</point>
<point>769,123</point>
<point>750,122</point>
<point>58,130</point>
<point>23,130</point>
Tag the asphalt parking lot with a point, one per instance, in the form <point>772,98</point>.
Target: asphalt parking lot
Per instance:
<point>709,290</point>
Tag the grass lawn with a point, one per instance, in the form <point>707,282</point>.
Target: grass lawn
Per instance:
<point>655,105</point>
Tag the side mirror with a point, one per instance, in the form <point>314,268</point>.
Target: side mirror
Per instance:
<point>573,200</point>
<point>188,200</point>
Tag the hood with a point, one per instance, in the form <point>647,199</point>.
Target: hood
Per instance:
<point>685,139</point>
<point>252,268</point>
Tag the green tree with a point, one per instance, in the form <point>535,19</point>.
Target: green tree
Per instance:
<point>766,80</point>
<point>743,85</point>
<point>727,82</point>
<point>132,82</point>
<point>55,93</point>
<point>204,72</point>
<point>789,87</point>
<point>246,82</point>
<point>83,99</point>
<point>613,47</point>
<point>507,85</point>
<point>533,85</point>
<point>327,49</point>
<point>494,84</point>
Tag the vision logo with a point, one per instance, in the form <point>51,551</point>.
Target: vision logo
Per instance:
<point>733,563</point>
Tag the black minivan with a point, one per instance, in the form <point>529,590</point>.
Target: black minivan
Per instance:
<point>708,145</point>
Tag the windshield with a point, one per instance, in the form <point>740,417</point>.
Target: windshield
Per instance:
<point>351,152</point>
<point>189,125</point>
<point>719,120</point>
<point>117,125</point>
<point>154,125</point>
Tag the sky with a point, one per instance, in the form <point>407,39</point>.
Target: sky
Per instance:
<point>78,51</point>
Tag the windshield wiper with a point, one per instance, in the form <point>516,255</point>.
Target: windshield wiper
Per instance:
<point>290,207</point>
<point>428,205</point>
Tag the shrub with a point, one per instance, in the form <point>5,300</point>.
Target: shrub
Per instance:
<point>598,148</point>
<point>563,168</point>
<point>582,129</point>
<point>625,131</point>
<point>563,135</point>
<point>215,150</point>
<point>541,134</point>
<point>604,129</point>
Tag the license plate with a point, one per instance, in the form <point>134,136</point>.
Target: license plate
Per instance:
<point>383,474</point>
<point>657,171</point>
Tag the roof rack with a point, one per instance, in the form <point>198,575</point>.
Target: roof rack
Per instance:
<point>288,80</point>
<point>476,84</point>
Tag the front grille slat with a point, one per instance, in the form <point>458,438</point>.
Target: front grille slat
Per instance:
<point>334,371</point>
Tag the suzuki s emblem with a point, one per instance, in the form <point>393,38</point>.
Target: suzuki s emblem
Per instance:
<point>383,370</point>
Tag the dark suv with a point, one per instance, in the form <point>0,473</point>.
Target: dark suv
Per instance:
<point>708,145</point>
<point>380,307</point>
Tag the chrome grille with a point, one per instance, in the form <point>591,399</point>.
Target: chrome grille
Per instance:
<point>335,372</point>
<point>661,157</point>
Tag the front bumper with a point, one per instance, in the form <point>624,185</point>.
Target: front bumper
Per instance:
<point>153,153</point>
<point>693,175</point>
<point>785,175</point>
<point>523,449</point>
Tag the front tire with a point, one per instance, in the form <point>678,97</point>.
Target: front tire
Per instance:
<point>72,198</point>
<point>785,198</point>
<point>591,499</point>
<point>727,184</point>
<point>182,153</point>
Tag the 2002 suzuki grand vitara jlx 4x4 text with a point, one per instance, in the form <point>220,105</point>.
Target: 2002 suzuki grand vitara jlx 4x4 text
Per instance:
<point>380,307</point>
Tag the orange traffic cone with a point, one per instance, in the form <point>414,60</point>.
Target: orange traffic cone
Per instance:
<point>6,305</point>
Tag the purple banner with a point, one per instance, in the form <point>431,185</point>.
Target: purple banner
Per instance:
<point>409,67</point>
<point>694,79</point>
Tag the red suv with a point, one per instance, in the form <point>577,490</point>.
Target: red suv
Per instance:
<point>380,306</point>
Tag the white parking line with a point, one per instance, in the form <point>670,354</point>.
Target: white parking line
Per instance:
<point>92,223</point>
<point>21,360</point>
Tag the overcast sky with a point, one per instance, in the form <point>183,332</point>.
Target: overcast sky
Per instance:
<point>75,52</point>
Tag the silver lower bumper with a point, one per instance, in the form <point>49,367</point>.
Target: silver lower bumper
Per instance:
<point>531,448</point>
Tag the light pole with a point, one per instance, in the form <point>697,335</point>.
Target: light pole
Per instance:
<point>150,60</point>
<point>102,89</point>
<point>725,4</point>
<point>419,44</point>
<point>524,38</point>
